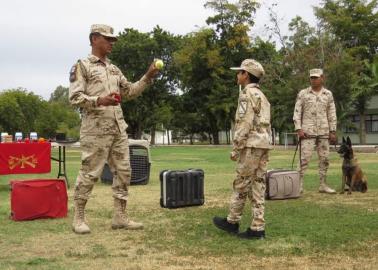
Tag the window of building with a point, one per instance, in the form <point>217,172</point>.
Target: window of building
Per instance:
<point>371,123</point>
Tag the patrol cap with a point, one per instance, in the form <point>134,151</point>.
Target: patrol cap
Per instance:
<point>251,66</point>
<point>316,72</point>
<point>104,30</point>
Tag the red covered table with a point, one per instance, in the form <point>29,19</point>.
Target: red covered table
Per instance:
<point>21,158</point>
<point>30,158</point>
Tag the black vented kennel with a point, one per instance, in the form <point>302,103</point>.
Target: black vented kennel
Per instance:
<point>140,164</point>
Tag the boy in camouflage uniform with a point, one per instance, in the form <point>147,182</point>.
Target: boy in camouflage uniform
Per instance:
<point>251,146</point>
<point>96,87</point>
<point>315,122</point>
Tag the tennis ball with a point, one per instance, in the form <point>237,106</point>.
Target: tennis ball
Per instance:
<point>159,64</point>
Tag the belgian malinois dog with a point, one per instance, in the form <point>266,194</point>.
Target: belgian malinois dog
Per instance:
<point>352,173</point>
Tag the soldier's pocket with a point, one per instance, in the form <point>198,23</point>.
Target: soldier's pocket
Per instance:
<point>241,184</point>
<point>245,165</point>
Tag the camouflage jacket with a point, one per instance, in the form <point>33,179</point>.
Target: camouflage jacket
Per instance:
<point>90,79</point>
<point>252,120</point>
<point>315,113</point>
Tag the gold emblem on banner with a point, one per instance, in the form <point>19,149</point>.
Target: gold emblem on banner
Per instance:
<point>23,161</point>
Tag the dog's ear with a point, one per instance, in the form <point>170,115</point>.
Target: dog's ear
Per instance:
<point>344,141</point>
<point>349,142</point>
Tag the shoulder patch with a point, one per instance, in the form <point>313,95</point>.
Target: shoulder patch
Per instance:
<point>243,106</point>
<point>73,76</point>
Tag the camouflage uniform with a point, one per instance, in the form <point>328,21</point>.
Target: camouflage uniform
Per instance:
<point>252,141</point>
<point>103,129</point>
<point>315,114</point>
<point>103,136</point>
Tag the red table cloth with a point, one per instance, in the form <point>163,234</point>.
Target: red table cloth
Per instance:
<point>20,158</point>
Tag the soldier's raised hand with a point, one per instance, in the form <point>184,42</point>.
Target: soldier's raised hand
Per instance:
<point>152,71</point>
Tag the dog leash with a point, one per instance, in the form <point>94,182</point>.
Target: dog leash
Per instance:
<point>299,145</point>
<point>295,153</point>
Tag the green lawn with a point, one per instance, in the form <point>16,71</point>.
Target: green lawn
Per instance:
<point>317,231</point>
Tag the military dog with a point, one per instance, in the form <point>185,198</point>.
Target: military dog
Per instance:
<point>352,173</point>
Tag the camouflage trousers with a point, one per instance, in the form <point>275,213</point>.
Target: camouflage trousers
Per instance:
<point>307,147</point>
<point>250,182</point>
<point>96,150</point>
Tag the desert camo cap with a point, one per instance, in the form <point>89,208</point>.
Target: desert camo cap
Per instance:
<point>104,30</point>
<point>251,66</point>
<point>316,72</point>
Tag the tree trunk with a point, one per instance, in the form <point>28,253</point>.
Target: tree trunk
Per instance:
<point>362,131</point>
<point>191,139</point>
<point>135,131</point>
<point>152,142</point>
<point>139,134</point>
<point>215,137</point>
<point>169,141</point>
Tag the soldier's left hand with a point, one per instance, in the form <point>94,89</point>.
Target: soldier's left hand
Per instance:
<point>332,138</point>
<point>152,71</point>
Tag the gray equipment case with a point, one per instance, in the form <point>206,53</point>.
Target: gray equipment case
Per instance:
<point>282,184</point>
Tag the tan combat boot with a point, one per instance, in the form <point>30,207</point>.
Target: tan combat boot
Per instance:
<point>79,225</point>
<point>323,188</point>
<point>120,221</point>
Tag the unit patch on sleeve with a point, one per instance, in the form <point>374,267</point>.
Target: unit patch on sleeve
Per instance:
<point>243,106</point>
<point>73,73</point>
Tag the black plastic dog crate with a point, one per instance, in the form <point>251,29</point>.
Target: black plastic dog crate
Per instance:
<point>139,161</point>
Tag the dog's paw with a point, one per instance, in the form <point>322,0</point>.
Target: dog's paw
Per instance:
<point>349,193</point>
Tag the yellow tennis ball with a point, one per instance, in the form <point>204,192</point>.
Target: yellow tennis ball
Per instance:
<point>159,64</point>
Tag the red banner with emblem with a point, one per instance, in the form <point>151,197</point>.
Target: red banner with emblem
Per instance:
<point>19,158</point>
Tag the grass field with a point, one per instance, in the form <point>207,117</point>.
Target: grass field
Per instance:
<point>317,231</point>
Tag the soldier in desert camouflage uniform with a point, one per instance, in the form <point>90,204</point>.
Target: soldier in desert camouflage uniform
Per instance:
<point>315,122</point>
<point>96,87</point>
<point>251,146</point>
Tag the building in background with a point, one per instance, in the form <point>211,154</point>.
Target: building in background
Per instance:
<point>371,124</point>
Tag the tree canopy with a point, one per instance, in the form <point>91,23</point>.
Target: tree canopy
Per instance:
<point>196,92</point>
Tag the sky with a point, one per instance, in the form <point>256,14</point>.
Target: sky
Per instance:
<point>42,39</point>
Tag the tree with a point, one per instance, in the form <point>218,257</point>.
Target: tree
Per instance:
<point>24,111</point>
<point>200,64</point>
<point>133,52</point>
<point>364,88</point>
<point>46,123</point>
<point>204,63</point>
<point>354,23</point>
<point>60,95</point>
<point>11,117</point>
<point>18,110</point>
<point>287,72</point>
